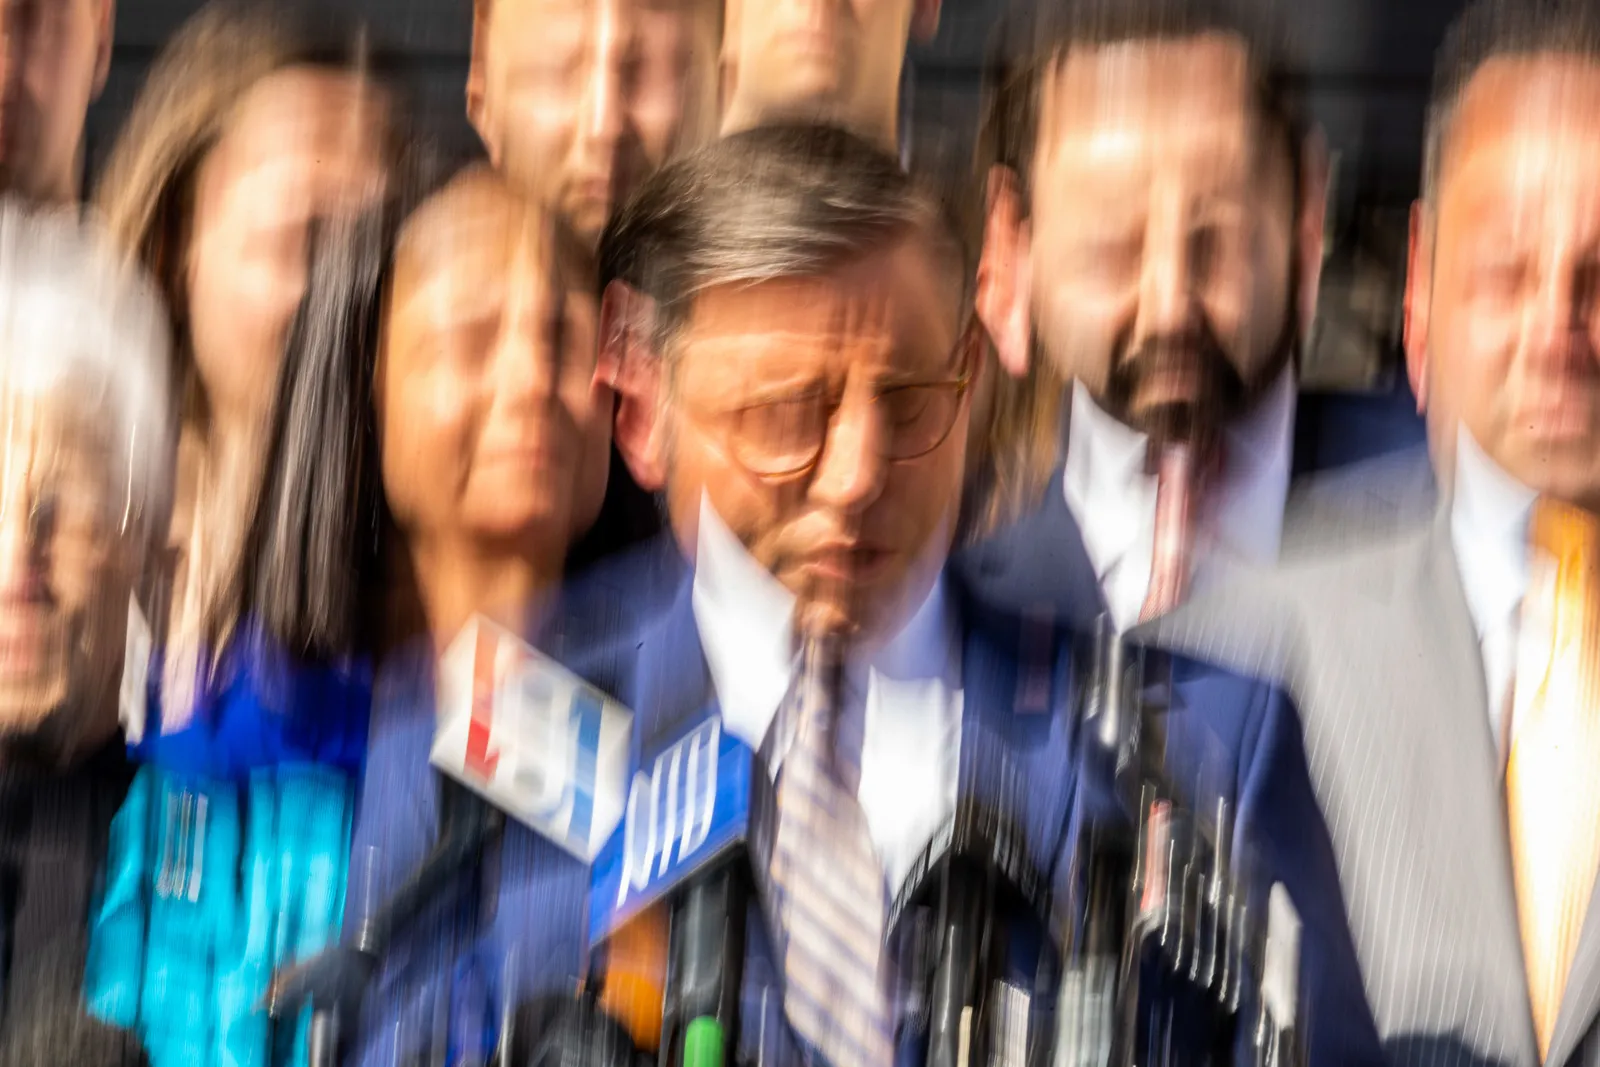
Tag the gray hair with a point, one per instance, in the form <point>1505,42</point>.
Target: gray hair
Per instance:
<point>773,202</point>
<point>1498,29</point>
<point>80,322</point>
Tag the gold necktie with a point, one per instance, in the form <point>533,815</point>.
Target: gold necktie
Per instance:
<point>1553,771</point>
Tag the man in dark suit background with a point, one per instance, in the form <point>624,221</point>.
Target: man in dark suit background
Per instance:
<point>1151,256</point>
<point>785,320</point>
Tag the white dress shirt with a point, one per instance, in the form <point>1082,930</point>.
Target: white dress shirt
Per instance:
<point>907,727</point>
<point>1113,498</point>
<point>1489,531</point>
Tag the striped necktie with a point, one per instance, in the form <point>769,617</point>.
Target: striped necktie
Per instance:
<point>826,890</point>
<point>1552,782</point>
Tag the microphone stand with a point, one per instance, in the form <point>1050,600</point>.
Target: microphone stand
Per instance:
<point>334,982</point>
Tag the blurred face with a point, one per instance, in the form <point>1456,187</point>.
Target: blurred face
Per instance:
<point>1504,295</point>
<point>55,54</point>
<point>825,422</point>
<point>66,567</point>
<point>820,60</point>
<point>577,100</point>
<point>1162,233</point>
<point>302,146</point>
<point>494,431</point>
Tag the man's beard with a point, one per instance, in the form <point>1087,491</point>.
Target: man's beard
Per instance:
<point>1212,395</point>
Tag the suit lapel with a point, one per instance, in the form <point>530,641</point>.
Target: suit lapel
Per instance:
<point>674,682</point>
<point>1015,723</point>
<point>1038,566</point>
<point>1468,768</point>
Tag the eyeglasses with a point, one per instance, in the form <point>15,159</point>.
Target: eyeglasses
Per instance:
<point>785,438</point>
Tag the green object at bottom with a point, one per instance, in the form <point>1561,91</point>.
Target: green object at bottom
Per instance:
<point>702,1043</point>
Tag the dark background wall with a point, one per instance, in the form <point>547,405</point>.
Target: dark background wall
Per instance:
<point>1364,76</point>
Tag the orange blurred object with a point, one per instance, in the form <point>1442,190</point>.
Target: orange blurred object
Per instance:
<point>636,976</point>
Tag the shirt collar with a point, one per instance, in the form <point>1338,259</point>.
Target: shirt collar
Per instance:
<point>1113,498</point>
<point>746,622</point>
<point>1488,529</point>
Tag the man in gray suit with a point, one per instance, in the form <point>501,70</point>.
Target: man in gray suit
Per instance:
<point>1450,701</point>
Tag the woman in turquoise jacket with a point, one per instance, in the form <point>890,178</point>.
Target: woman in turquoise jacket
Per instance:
<point>255,179</point>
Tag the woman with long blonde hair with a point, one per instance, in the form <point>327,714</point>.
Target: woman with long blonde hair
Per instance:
<point>255,180</point>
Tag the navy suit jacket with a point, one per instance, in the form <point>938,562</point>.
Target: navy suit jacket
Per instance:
<point>1229,736</point>
<point>513,928</point>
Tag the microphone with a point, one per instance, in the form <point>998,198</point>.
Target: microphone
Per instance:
<point>334,982</point>
<point>696,813</point>
<point>570,1032</point>
<point>980,885</point>
<point>635,976</point>
<point>527,738</point>
<point>532,738</point>
<point>1276,1038</point>
<point>1111,757</point>
<point>1164,935</point>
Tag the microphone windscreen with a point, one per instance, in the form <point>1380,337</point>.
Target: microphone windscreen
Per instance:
<point>636,976</point>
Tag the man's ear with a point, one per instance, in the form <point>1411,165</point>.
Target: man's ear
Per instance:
<point>477,77</point>
<point>1005,272</point>
<point>106,33</point>
<point>924,20</point>
<point>1312,226</point>
<point>1419,288</point>
<point>631,367</point>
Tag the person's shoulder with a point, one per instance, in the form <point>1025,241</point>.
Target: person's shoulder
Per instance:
<point>1262,607</point>
<point>1358,504</point>
<point>1034,563</point>
<point>608,611</point>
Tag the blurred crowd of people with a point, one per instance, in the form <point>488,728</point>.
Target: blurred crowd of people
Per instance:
<point>686,586</point>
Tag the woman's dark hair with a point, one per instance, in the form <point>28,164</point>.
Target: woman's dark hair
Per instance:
<point>311,546</point>
<point>311,554</point>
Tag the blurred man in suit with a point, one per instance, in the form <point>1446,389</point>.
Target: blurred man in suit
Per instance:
<point>787,319</point>
<point>577,100</point>
<point>833,61</point>
<point>1151,256</point>
<point>57,53</point>
<point>1447,675</point>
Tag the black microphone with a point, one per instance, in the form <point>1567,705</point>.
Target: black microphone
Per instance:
<point>570,1031</point>
<point>558,769</point>
<point>335,981</point>
<point>1163,936</point>
<point>979,884</point>
<point>699,817</point>
<point>1093,1014</point>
